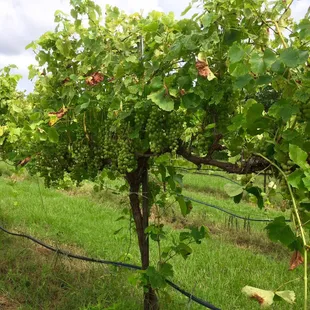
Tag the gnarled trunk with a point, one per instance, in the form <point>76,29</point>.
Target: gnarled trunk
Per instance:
<point>141,217</point>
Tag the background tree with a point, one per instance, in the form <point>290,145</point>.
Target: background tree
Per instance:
<point>122,94</point>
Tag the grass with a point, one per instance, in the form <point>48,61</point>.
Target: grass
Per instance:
<point>210,189</point>
<point>217,270</point>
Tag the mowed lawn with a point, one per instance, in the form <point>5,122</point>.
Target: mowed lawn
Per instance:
<point>216,271</point>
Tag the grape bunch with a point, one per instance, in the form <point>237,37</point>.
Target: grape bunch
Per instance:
<point>164,129</point>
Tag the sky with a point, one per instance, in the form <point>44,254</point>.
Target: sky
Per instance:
<point>23,21</point>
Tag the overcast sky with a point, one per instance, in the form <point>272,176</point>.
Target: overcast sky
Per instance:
<point>22,21</point>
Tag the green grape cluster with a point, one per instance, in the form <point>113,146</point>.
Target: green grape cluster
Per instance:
<point>203,143</point>
<point>126,158</point>
<point>140,119</point>
<point>51,163</point>
<point>164,129</point>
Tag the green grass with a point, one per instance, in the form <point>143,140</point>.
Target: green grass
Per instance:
<point>210,189</point>
<point>216,271</point>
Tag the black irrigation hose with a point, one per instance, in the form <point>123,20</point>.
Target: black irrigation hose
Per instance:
<point>117,264</point>
<point>229,212</point>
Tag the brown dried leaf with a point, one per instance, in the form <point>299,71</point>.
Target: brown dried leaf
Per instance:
<point>59,114</point>
<point>264,297</point>
<point>296,260</point>
<point>203,69</point>
<point>182,92</point>
<point>94,79</point>
<point>24,161</point>
<point>66,80</point>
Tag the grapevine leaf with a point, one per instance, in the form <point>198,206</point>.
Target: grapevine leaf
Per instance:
<point>278,67</point>
<point>257,192</point>
<point>233,189</point>
<point>278,230</point>
<point>190,100</point>
<point>288,296</point>
<point>16,109</point>
<point>295,178</point>
<point>298,156</point>
<point>166,270</point>
<point>162,100</point>
<point>269,57</point>
<point>184,206</point>
<point>238,198</point>
<point>242,81</point>
<point>2,130</point>
<point>53,135</point>
<point>155,278</point>
<point>257,63</point>
<point>296,260</point>
<point>235,53</point>
<point>306,182</point>
<point>264,298</point>
<point>208,19</point>
<point>290,57</point>
<point>187,9</point>
<point>184,250</point>
<point>238,69</point>
<point>157,83</point>
<point>283,109</point>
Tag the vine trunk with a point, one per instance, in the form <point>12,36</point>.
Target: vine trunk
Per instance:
<point>136,180</point>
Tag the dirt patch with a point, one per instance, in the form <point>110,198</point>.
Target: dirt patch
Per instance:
<point>7,304</point>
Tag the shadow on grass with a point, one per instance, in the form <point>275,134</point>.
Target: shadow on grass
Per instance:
<point>34,278</point>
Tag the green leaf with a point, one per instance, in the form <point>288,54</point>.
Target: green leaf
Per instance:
<point>190,100</point>
<point>184,250</point>
<point>166,270</point>
<point>155,278</point>
<point>278,230</point>
<point>295,178</point>
<point>257,192</point>
<point>288,296</point>
<point>16,109</point>
<point>290,57</point>
<point>157,83</point>
<point>265,298</point>
<point>2,130</point>
<point>208,19</point>
<point>32,45</point>
<point>63,46</point>
<point>198,234</point>
<point>53,135</point>
<point>306,182</point>
<point>257,63</point>
<point>238,198</point>
<point>298,156</point>
<point>162,100</point>
<point>269,57</point>
<point>187,9</point>
<point>184,205</point>
<point>235,53</point>
<point>242,81</point>
<point>238,69</point>
<point>283,109</point>
<point>233,189</point>
<point>254,114</point>
<point>278,67</point>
